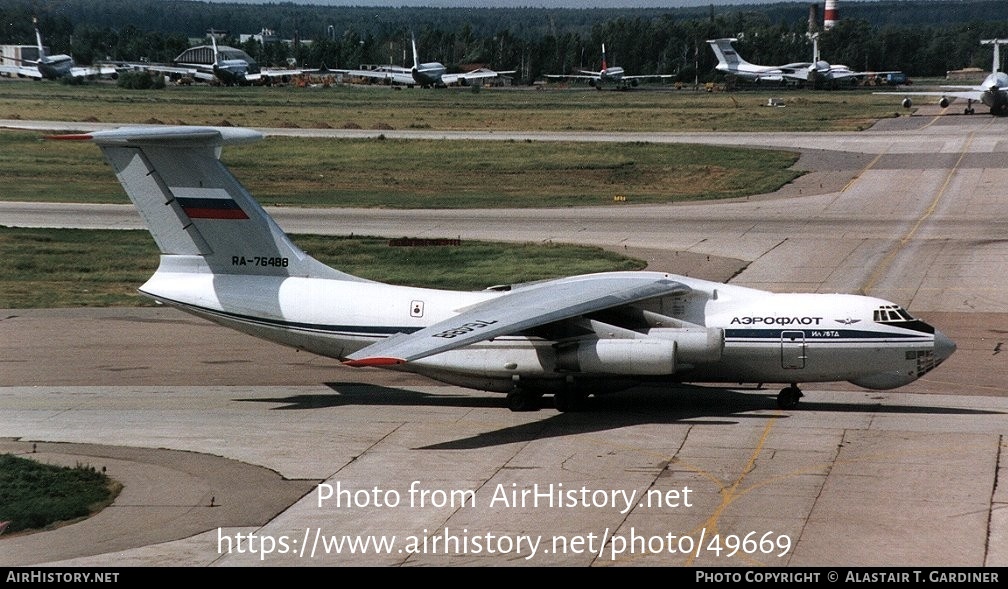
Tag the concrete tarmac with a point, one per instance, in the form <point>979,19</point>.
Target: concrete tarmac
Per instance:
<point>181,411</point>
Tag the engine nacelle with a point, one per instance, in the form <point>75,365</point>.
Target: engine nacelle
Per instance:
<point>649,356</point>
<point>656,354</point>
<point>944,102</point>
<point>694,345</point>
<point>907,103</point>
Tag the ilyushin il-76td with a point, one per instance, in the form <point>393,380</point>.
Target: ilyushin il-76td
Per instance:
<point>225,259</point>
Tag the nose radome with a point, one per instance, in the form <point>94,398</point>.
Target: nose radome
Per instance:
<point>943,346</point>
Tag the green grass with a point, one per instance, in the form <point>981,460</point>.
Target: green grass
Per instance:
<point>516,109</point>
<point>50,268</point>
<point>35,496</point>
<point>389,173</point>
<point>436,174</point>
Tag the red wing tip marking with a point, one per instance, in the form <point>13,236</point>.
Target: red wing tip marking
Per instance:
<point>374,362</point>
<point>71,137</point>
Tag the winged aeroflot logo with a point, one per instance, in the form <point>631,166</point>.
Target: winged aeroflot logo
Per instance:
<point>847,321</point>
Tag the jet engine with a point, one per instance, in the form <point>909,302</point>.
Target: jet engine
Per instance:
<point>907,103</point>
<point>655,355</point>
<point>944,102</point>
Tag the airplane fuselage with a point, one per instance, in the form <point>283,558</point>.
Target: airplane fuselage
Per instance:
<point>230,71</point>
<point>428,74</point>
<point>714,333</point>
<point>54,67</point>
<point>613,74</point>
<point>995,95</point>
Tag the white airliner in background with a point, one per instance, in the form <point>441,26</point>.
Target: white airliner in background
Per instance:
<point>992,92</point>
<point>217,64</point>
<point>55,67</point>
<point>224,259</point>
<point>426,75</point>
<point>610,75</point>
<point>816,72</point>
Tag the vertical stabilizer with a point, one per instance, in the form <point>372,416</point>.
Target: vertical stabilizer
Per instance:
<point>728,59</point>
<point>201,217</point>
<point>997,43</point>
<point>38,40</point>
<point>416,57</point>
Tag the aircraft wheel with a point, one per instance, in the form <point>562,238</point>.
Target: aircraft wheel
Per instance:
<point>522,400</point>
<point>568,400</point>
<point>788,397</point>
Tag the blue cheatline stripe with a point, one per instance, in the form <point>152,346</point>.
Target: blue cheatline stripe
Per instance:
<point>750,335</point>
<point>357,330</point>
<point>822,334</point>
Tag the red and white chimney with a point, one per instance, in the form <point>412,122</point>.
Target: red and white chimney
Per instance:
<point>830,15</point>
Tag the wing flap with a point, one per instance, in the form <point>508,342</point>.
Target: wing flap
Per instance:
<point>518,310</point>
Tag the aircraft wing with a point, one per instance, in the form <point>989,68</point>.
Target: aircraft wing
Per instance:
<point>160,68</point>
<point>82,71</point>
<point>397,74</point>
<point>649,76</point>
<point>20,70</point>
<point>479,74</point>
<point>843,73</point>
<point>575,76</point>
<point>975,95</point>
<point>279,73</point>
<point>522,308</point>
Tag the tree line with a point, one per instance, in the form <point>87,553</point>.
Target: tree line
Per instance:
<point>919,37</point>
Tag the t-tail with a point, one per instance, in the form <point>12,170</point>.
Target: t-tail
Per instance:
<point>728,58</point>
<point>201,217</point>
<point>997,43</point>
<point>38,40</point>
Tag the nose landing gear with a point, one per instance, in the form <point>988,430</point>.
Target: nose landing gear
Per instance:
<point>789,396</point>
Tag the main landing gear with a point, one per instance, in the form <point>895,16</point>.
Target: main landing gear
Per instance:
<point>788,397</point>
<point>564,400</point>
<point>523,400</point>
<point>569,400</point>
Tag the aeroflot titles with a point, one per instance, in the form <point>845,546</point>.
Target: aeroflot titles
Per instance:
<point>776,320</point>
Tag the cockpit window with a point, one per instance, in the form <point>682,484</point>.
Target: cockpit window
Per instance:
<point>892,314</point>
<point>897,317</point>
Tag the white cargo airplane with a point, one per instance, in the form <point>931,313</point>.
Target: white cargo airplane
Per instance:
<point>425,75</point>
<point>992,92</point>
<point>55,67</point>
<point>610,75</point>
<point>224,259</point>
<point>816,72</point>
<point>730,62</point>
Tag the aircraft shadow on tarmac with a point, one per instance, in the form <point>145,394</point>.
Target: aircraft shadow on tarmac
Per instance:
<point>679,404</point>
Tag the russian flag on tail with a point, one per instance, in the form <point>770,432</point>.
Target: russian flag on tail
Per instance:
<point>203,203</point>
